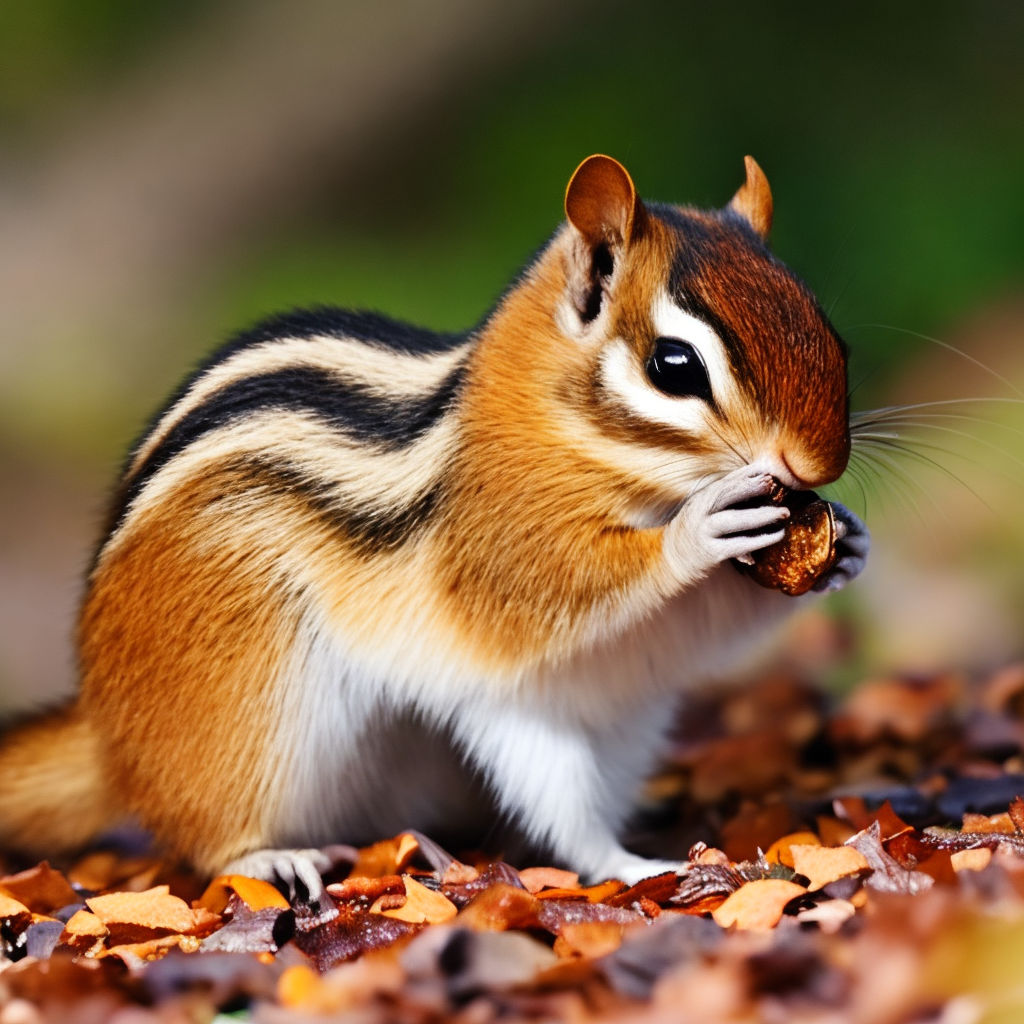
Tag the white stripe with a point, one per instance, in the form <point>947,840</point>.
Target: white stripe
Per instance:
<point>624,376</point>
<point>382,371</point>
<point>354,473</point>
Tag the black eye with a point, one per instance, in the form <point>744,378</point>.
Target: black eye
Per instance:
<point>675,367</point>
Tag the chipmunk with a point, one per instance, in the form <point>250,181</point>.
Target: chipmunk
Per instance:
<point>360,577</point>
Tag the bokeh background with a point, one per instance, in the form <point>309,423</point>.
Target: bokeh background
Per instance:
<point>170,172</point>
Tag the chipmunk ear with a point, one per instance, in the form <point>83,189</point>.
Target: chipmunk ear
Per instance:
<point>602,205</point>
<point>601,202</point>
<point>753,201</point>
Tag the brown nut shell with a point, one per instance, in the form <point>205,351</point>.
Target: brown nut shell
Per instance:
<point>805,553</point>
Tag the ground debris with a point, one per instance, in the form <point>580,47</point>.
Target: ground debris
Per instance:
<point>871,871</point>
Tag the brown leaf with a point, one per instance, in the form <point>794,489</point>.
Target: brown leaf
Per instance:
<point>352,933</point>
<point>757,905</point>
<point>84,932</point>
<point>1016,812</point>
<point>366,890</point>
<point>499,907</point>
<point>657,889</point>
<point>856,811</point>
<point>14,913</point>
<point>887,875</point>
<point>41,889</point>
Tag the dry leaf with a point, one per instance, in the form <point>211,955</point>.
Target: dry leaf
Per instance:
<point>254,893</point>
<point>41,889</point>
<point>535,879</point>
<point>126,913</point>
<point>14,913</point>
<point>758,905</point>
<point>388,857</point>
<point>591,893</point>
<point>1001,823</point>
<point>823,864</point>
<point>971,860</point>
<point>779,851</point>
<point>422,905</point>
<point>588,938</point>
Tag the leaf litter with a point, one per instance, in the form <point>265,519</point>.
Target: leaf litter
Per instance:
<point>862,863</point>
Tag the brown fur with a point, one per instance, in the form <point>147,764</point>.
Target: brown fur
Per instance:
<point>52,791</point>
<point>181,642</point>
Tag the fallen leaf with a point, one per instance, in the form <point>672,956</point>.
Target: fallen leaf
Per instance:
<point>588,938</point>
<point>422,905</point>
<point>40,888</point>
<point>14,914</point>
<point>388,857</point>
<point>129,916</point>
<point>1016,812</point>
<point>757,905</point>
<point>887,875</point>
<point>988,823</point>
<point>779,851</point>
<point>256,894</point>
<point>535,879</point>
<point>829,915</point>
<point>591,893</point>
<point>657,889</point>
<point>971,860</point>
<point>824,864</point>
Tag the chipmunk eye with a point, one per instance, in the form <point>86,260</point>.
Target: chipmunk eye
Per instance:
<point>676,368</point>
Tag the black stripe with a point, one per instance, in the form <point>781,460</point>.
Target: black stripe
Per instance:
<point>345,405</point>
<point>373,530</point>
<point>699,247</point>
<point>375,328</point>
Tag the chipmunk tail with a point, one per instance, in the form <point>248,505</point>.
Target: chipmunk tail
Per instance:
<point>54,795</point>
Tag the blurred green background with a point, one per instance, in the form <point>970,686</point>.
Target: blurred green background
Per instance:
<point>170,172</point>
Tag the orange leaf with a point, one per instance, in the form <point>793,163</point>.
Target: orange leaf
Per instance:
<point>84,922</point>
<point>421,905</point>
<point>155,908</point>
<point>535,879</point>
<point>988,823</point>
<point>588,938</point>
<point>132,953</point>
<point>779,851</point>
<point>971,860</point>
<point>592,893</point>
<point>255,894</point>
<point>824,864</point>
<point>14,911</point>
<point>757,905</point>
<point>41,889</point>
<point>387,857</point>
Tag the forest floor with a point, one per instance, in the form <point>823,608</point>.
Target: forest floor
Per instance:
<point>857,860</point>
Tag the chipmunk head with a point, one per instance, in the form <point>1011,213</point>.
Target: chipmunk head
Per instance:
<point>699,340</point>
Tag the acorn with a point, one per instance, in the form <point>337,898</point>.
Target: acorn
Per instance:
<point>805,553</point>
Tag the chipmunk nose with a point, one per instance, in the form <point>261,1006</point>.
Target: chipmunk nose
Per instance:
<point>793,471</point>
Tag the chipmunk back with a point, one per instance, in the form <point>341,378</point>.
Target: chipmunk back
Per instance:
<point>360,577</point>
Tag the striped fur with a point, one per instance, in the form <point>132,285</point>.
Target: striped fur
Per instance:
<point>354,569</point>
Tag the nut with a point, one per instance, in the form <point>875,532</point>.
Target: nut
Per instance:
<point>805,553</point>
